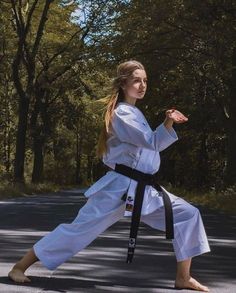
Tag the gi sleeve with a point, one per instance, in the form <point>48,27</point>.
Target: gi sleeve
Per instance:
<point>130,128</point>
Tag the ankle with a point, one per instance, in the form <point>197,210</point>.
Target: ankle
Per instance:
<point>183,277</point>
<point>19,266</point>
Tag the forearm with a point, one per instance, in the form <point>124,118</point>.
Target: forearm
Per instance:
<point>168,123</point>
<point>164,136</point>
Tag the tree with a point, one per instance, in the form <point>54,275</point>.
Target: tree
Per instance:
<point>7,94</point>
<point>23,70</point>
<point>187,55</point>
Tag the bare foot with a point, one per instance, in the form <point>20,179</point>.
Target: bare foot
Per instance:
<point>17,275</point>
<point>190,283</point>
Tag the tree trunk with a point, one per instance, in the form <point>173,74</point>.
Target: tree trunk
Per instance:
<point>37,175</point>
<point>230,178</point>
<point>203,169</point>
<point>6,139</point>
<point>28,60</point>
<point>21,140</point>
<point>78,157</point>
<point>89,168</point>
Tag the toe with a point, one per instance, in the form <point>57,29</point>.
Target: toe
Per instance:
<point>27,280</point>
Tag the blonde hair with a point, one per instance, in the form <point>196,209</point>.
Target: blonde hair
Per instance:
<point>124,71</point>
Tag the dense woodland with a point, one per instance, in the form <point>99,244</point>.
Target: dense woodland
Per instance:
<point>57,59</point>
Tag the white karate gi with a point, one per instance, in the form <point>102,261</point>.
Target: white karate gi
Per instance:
<point>132,143</point>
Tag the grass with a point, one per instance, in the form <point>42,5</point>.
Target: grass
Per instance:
<point>224,201</point>
<point>17,190</point>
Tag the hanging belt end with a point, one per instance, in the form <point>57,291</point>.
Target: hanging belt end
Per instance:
<point>170,235</point>
<point>129,258</point>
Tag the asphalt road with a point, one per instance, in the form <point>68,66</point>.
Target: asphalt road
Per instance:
<point>101,266</point>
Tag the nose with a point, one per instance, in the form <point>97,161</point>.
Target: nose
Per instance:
<point>143,85</point>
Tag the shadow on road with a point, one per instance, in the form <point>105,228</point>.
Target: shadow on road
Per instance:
<point>102,264</point>
<point>65,284</point>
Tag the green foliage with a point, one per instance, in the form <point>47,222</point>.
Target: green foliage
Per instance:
<point>186,48</point>
<point>220,200</point>
<point>13,190</point>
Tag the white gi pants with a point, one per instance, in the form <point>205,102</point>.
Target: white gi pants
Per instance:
<point>100,212</point>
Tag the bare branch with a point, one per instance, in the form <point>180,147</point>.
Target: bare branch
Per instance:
<point>20,16</point>
<point>30,16</point>
<point>41,27</point>
<point>18,24</point>
<point>63,49</point>
<point>88,90</point>
<point>86,28</point>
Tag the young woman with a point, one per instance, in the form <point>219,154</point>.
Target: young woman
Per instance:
<point>127,144</point>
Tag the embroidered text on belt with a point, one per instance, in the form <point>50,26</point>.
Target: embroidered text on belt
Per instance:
<point>144,179</point>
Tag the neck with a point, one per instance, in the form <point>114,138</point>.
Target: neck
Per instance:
<point>130,101</point>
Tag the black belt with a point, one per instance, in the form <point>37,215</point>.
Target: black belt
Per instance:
<point>144,179</point>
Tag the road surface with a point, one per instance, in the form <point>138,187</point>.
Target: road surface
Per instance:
<point>101,266</point>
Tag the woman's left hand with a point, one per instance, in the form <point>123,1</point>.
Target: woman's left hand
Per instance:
<point>176,116</point>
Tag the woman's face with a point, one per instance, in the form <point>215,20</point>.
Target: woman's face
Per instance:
<point>136,85</point>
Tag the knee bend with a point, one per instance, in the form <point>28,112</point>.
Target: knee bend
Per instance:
<point>190,211</point>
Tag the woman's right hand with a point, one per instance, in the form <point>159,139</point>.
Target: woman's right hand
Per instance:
<point>176,116</point>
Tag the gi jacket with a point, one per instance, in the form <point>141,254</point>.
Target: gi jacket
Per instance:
<point>133,143</point>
